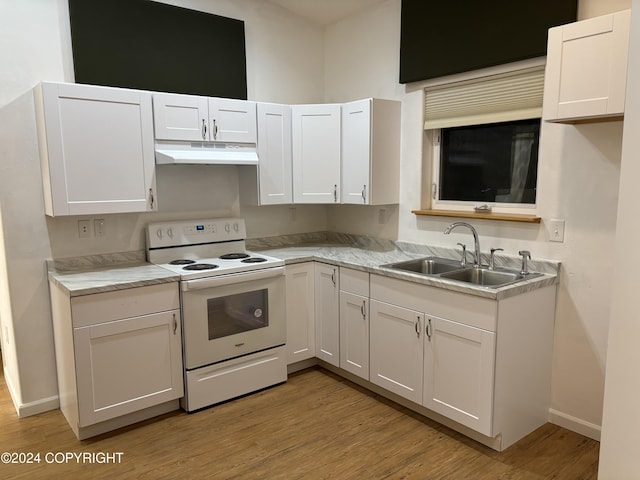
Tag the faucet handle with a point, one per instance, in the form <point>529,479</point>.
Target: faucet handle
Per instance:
<point>526,254</point>
<point>464,254</point>
<point>493,251</point>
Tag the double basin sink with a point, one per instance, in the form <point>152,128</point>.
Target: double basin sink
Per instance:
<point>453,270</point>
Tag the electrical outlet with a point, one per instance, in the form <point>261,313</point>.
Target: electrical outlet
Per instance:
<point>382,216</point>
<point>556,230</point>
<point>98,227</point>
<point>84,228</point>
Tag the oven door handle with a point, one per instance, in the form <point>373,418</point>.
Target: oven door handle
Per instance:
<point>222,280</point>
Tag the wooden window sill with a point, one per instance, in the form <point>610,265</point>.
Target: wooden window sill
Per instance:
<point>508,217</point>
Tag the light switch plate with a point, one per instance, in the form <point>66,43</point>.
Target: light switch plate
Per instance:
<point>98,227</point>
<point>556,230</point>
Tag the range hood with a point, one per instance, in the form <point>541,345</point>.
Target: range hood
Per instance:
<point>205,153</point>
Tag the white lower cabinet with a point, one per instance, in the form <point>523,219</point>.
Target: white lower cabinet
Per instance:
<point>458,372</point>
<point>483,363</point>
<point>480,365</point>
<point>127,365</point>
<point>354,322</point>
<point>301,335</point>
<point>118,356</point>
<point>396,350</point>
<point>327,313</point>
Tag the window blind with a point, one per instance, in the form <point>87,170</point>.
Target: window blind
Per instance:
<point>499,98</point>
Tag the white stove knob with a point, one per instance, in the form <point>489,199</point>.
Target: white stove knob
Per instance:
<point>170,232</point>
<point>159,233</point>
<point>236,227</point>
<point>227,228</point>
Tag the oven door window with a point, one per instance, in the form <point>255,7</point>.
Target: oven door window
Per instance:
<point>237,313</point>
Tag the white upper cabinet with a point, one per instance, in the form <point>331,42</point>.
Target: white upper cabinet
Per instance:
<point>371,152</point>
<point>586,71</point>
<point>274,152</point>
<point>316,153</point>
<point>96,148</point>
<point>203,119</point>
<point>232,120</point>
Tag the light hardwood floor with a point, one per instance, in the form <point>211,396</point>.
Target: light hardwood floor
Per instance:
<point>316,426</point>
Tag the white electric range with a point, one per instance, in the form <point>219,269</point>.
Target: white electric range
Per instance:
<point>233,308</point>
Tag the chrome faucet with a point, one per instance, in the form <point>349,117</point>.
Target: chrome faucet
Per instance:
<point>476,254</point>
<point>524,270</point>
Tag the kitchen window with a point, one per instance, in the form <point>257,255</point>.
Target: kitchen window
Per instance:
<point>484,135</point>
<point>487,164</point>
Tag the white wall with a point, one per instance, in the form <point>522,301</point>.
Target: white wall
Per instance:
<point>619,458</point>
<point>284,64</point>
<point>578,181</point>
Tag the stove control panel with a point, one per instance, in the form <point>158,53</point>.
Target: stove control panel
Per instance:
<point>190,232</point>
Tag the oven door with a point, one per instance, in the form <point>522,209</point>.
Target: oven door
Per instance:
<point>228,316</point>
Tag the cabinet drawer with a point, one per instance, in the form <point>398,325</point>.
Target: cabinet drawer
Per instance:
<point>116,305</point>
<point>354,281</point>
<point>467,309</point>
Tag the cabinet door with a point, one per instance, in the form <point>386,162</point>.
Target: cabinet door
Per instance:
<point>587,68</point>
<point>181,117</point>
<point>274,152</point>
<point>97,150</point>
<point>232,120</point>
<point>128,365</point>
<point>458,373</point>
<point>354,334</point>
<point>300,312</point>
<point>327,314</point>
<point>356,151</point>
<point>396,349</point>
<point>316,153</point>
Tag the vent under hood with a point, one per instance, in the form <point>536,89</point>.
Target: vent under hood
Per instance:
<point>202,153</point>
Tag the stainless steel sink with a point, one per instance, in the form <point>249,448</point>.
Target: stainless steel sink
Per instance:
<point>427,266</point>
<point>486,277</point>
<point>449,269</point>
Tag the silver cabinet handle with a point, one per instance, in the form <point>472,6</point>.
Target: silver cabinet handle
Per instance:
<point>363,309</point>
<point>364,194</point>
<point>428,330</point>
<point>151,199</point>
<point>335,193</point>
<point>417,326</point>
<point>215,129</point>
<point>175,324</point>
<point>204,129</point>
<point>333,277</point>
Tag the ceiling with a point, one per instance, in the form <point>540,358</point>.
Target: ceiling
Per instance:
<point>325,12</point>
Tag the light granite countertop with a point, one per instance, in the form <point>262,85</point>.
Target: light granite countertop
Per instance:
<point>105,273</point>
<point>369,254</point>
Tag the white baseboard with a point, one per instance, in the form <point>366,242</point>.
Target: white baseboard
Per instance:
<point>39,406</point>
<point>575,424</point>
<point>31,408</point>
